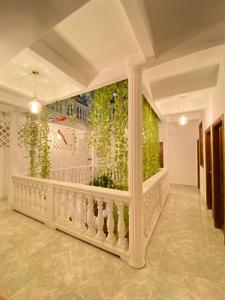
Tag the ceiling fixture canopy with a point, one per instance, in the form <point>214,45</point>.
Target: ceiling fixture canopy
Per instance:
<point>35,106</point>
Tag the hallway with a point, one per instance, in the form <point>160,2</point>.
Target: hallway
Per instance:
<point>185,259</point>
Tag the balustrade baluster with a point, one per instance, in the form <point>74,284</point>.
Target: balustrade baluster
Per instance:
<point>72,207</point>
<point>90,217</point>
<point>36,205</point>
<point>110,224</point>
<point>57,204</point>
<point>42,198</point>
<point>63,205</point>
<point>17,194</point>
<point>75,210</point>
<point>23,197</point>
<point>26,193</point>
<point>80,199</point>
<point>31,196</point>
<point>122,241</point>
<point>100,233</point>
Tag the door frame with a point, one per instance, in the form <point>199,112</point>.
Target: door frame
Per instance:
<point>198,163</point>
<point>209,199</point>
<point>216,202</point>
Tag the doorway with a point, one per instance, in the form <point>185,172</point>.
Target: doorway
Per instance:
<point>218,172</point>
<point>208,165</point>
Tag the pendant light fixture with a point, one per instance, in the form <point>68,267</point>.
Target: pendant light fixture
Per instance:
<point>183,119</point>
<point>35,106</point>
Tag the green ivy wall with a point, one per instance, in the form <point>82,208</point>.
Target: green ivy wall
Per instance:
<point>109,122</point>
<point>150,140</point>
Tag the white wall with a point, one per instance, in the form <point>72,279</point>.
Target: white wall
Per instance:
<point>215,108</point>
<point>65,159</point>
<point>182,153</point>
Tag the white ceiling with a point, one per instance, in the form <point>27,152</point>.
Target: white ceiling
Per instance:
<point>80,45</point>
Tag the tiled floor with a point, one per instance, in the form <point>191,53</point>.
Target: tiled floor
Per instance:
<point>185,259</point>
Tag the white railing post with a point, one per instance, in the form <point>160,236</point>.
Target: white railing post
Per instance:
<point>50,207</point>
<point>135,183</point>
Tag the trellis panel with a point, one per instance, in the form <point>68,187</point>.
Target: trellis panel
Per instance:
<point>4,133</point>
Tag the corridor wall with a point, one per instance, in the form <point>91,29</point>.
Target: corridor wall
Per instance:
<point>215,108</point>
<point>182,153</point>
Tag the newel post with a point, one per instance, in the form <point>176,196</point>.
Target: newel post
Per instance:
<point>13,155</point>
<point>135,178</point>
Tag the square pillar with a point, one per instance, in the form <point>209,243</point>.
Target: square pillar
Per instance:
<point>135,177</point>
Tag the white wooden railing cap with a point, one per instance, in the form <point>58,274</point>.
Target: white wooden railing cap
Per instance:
<point>106,193</point>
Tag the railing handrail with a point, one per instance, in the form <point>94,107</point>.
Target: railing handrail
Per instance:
<point>110,194</point>
<point>71,168</point>
<point>153,179</point>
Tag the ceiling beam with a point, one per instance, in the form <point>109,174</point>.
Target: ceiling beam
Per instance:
<point>53,48</point>
<point>191,81</point>
<point>24,22</point>
<point>135,11</point>
<point>12,97</point>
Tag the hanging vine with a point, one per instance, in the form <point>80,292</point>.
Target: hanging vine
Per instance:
<point>30,141</point>
<point>35,139</point>
<point>108,123</point>
<point>44,146</point>
<point>150,141</point>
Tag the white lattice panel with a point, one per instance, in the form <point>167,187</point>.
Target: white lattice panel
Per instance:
<point>4,133</point>
<point>20,136</point>
<point>63,138</point>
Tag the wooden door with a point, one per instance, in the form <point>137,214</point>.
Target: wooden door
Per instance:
<point>221,138</point>
<point>218,172</point>
<point>208,161</point>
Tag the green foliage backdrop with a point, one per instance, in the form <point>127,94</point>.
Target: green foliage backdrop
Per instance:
<point>108,120</point>
<point>109,125</point>
<point>36,142</point>
<point>150,140</point>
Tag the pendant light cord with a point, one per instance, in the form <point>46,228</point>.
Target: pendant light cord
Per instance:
<point>35,73</point>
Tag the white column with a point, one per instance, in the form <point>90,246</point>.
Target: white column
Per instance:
<point>13,154</point>
<point>135,179</point>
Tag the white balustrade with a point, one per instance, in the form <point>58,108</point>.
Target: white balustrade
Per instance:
<point>80,174</point>
<point>81,111</point>
<point>155,192</point>
<point>88,212</point>
<point>72,208</point>
<point>29,198</point>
